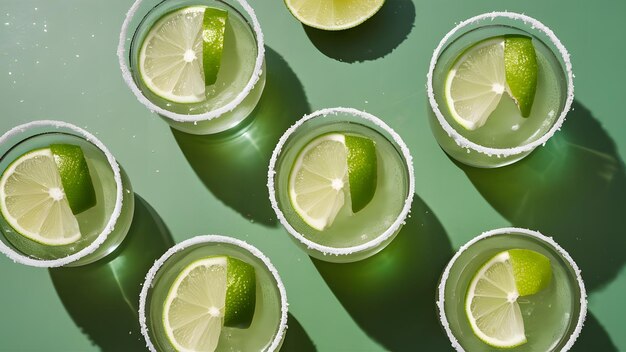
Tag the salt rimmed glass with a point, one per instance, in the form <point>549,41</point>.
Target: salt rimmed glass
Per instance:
<point>269,324</point>
<point>450,135</point>
<point>359,235</point>
<point>552,319</point>
<point>199,119</point>
<point>107,222</point>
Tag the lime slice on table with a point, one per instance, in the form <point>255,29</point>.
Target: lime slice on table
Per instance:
<point>491,303</point>
<point>33,201</point>
<point>207,294</point>
<point>322,171</point>
<point>172,61</point>
<point>520,64</point>
<point>333,15</point>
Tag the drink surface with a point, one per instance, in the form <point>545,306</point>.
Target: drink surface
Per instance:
<point>549,315</point>
<point>505,127</point>
<point>237,62</point>
<point>91,221</point>
<point>267,315</point>
<point>376,217</point>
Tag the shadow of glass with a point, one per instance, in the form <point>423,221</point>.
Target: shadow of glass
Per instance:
<point>593,337</point>
<point>296,339</point>
<point>391,295</point>
<point>373,39</point>
<point>103,297</point>
<point>573,189</point>
<point>233,164</point>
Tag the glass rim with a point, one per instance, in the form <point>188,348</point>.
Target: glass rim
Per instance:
<point>147,284</point>
<point>109,227</point>
<point>462,141</point>
<point>209,115</point>
<point>512,230</point>
<point>391,230</point>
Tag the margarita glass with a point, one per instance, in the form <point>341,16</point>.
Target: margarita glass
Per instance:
<point>94,232</point>
<point>265,331</point>
<point>347,234</point>
<point>239,80</point>
<point>511,124</point>
<point>552,317</point>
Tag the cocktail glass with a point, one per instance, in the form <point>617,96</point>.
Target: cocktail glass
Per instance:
<point>356,236</point>
<point>102,227</point>
<point>241,76</point>
<point>506,137</point>
<point>269,323</point>
<point>553,318</point>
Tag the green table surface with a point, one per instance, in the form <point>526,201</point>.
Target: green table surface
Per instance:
<point>58,61</point>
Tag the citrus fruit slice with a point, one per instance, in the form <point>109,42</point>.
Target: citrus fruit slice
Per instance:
<point>475,84</point>
<point>520,65</point>
<point>33,202</point>
<point>207,293</point>
<point>333,15</point>
<point>213,29</point>
<point>325,168</point>
<point>362,170</point>
<point>491,303</point>
<point>170,58</point>
<point>75,176</point>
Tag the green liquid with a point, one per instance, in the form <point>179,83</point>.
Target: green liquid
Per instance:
<point>92,221</point>
<point>266,320</point>
<point>348,229</point>
<point>550,316</point>
<point>237,65</point>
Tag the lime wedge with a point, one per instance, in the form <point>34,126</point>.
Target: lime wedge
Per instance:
<point>170,58</point>
<point>362,170</point>
<point>475,84</point>
<point>33,202</point>
<point>317,180</point>
<point>206,294</point>
<point>491,302</point>
<point>213,29</point>
<point>75,176</point>
<point>333,15</point>
<point>520,64</point>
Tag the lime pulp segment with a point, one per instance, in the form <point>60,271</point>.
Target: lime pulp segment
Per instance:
<point>33,200</point>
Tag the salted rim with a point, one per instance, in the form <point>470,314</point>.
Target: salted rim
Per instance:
<point>23,259</point>
<point>512,230</point>
<point>126,74</point>
<point>147,284</point>
<point>501,152</point>
<point>343,250</point>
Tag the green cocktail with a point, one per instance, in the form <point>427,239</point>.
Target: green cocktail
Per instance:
<point>512,288</point>
<point>198,63</point>
<point>65,200</point>
<point>213,293</point>
<point>499,85</point>
<point>341,182</point>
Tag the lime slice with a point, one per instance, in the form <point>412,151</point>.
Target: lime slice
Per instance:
<point>362,170</point>
<point>520,64</point>
<point>33,202</point>
<point>170,57</point>
<point>491,303</point>
<point>317,180</point>
<point>206,294</point>
<point>333,15</point>
<point>75,177</point>
<point>213,29</point>
<point>476,82</point>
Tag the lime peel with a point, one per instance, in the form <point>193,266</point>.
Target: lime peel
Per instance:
<point>520,63</point>
<point>75,176</point>
<point>362,170</point>
<point>213,37</point>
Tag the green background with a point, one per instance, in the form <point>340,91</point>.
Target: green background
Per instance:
<point>58,61</point>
